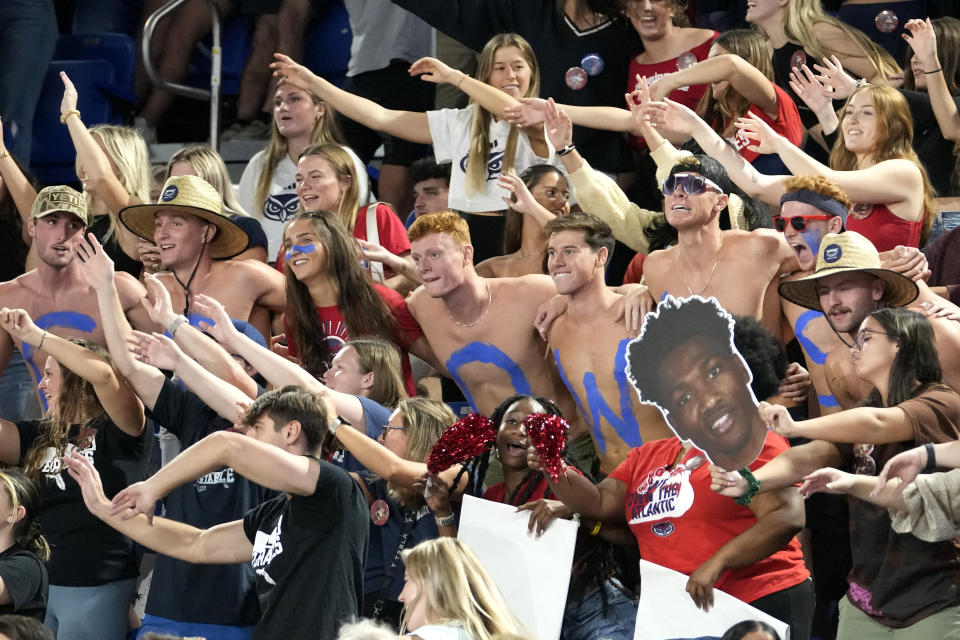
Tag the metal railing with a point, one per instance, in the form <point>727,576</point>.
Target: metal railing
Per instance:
<point>216,61</point>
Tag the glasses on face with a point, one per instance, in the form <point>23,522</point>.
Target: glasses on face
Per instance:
<point>693,185</point>
<point>799,223</point>
<point>858,343</point>
<point>387,429</point>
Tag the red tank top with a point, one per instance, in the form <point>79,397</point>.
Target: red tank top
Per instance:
<point>879,225</point>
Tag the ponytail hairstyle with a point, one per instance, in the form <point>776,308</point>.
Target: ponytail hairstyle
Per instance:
<point>324,130</point>
<point>23,492</point>
<point>477,170</point>
<point>721,113</point>
<point>77,404</point>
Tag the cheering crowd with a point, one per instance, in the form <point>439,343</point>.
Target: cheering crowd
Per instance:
<point>258,396</point>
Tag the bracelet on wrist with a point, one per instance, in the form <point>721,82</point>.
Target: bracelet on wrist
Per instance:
<point>596,528</point>
<point>931,458</point>
<point>930,73</point>
<point>753,486</point>
<point>72,112</point>
<point>339,420</point>
<point>567,149</point>
<point>445,521</point>
<point>463,77</point>
<point>42,338</point>
<point>175,324</point>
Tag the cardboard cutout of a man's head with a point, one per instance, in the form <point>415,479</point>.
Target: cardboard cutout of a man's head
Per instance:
<point>685,363</point>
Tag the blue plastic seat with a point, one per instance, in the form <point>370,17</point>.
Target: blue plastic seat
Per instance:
<point>327,44</point>
<point>116,48</point>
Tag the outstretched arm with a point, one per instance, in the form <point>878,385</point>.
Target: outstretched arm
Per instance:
<point>746,79</point>
<point>866,488</point>
<point>603,502</point>
<point>223,544</point>
<point>96,267</point>
<point>278,370</point>
<point>20,189</point>
<point>786,469</point>
<point>487,96</point>
<point>117,399</point>
<point>265,464</point>
<point>878,425</point>
<point>407,125</point>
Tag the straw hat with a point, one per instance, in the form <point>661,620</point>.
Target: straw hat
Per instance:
<point>848,251</point>
<point>60,198</point>
<point>193,195</point>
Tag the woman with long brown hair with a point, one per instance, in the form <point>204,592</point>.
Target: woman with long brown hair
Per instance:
<point>94,412</point>
<point>330,298</point>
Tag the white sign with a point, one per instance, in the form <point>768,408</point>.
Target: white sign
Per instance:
<point>667,612</point>
<point>532,573</point>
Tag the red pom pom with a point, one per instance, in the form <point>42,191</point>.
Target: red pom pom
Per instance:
<point>548,435</point>
<point>468,438</point>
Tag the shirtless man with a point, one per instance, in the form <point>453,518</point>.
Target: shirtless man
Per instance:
<point>578,248</point>
<point>848,284</point>
<point>481,329</point>
<point>736,267</point>
<point>54,293</point>
<point>193,236</point>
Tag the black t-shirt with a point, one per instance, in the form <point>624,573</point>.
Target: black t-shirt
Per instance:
<point>121,261</point>
<point>84,550</point>
<point>229,593</point>
<point>254,230</point>
<point>934,151</point>
<point>13,250</point>
<point>308,555</point>
<point>25,578</point>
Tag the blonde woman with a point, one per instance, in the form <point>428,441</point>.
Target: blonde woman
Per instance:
<point>479,142</point>
<point>398,512</point>
<point>449,595</point>
<point>114,167</point>
<point>268,185</point>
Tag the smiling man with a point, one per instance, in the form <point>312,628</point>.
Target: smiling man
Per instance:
<point>54,293</point>
<point>578,249</point>
<point>738,268</point>
<point>195,239</point>
<point>481,329</point>
<point>685,363</point>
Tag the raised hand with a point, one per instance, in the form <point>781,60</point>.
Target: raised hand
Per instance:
<point>558,125</point>
<point>920,36</point>
<point>432,70</point>
<point>520,199</point>
<point>763,137</point>
<point>156,349</point>
<point>778,419</point>
<point>222,328</point>
<point>20,326</point>
<point>149,255</point>
<point>727,483</point>
<point>69,101</point>
<point>137,498</point>
<point>838,82</point>
<point>809,89</point>
<point>529,112</point>
<point>285,69</point>
<point>157,302</point>
<point>826,480</point>
<point>436,493</point>
<point>671,115</point>
<point>96,267</point>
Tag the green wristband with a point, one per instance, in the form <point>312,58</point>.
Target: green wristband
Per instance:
<point>753,486</point>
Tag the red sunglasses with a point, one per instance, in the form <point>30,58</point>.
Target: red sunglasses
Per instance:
<point>799,223</point>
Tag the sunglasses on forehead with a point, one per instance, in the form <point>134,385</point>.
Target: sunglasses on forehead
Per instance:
<point>799,223</point>
<point>693,185</point>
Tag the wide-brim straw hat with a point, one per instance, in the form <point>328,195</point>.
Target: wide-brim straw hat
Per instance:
<point>193,195</point>
<point>848,251</point>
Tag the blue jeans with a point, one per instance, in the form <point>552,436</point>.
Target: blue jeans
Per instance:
<point>28,34</point>
<point>90,613</point>
<point>584,619</point>
<point>193,629</point>
<point>944,222</point>
<point>18,392</point>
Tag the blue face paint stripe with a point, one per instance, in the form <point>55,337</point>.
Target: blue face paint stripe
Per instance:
<point>486,354</point>
<point>597,434</point>
<point>812,238</point>
<point>66,319</point>
<point>814,352</point>
<point>827,401</point>
<point>302,248</point>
